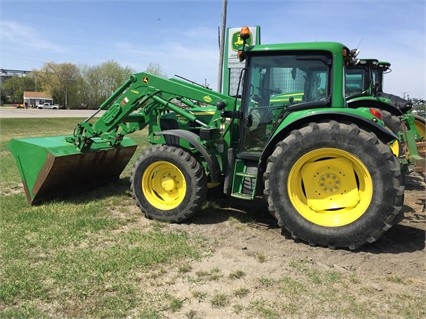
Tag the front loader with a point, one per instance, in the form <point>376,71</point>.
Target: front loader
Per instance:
<point>325,170</point>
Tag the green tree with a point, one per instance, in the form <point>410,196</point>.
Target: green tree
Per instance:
<point>155,69</point>
<point>60,80</point>
<point>13,88</point>
<point>99,82</point>
<point>112,76</point>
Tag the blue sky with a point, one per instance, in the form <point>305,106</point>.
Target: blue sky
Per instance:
<point>182,35</point>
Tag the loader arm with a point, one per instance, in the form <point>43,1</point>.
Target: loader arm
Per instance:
<point>139,102</point>
<point>99,150</point>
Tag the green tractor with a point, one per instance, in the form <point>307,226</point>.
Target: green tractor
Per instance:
<point>325,170</point>
<point>364,88</point>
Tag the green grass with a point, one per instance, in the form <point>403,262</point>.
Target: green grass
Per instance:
<point>220,300</point>
<point>95,256</point>
<point>77,258</point>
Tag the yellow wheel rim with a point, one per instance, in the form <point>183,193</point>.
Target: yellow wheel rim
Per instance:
<point>395,147</point>
<point>163,185</point>
<point>420,127</point>
<point>330,187</point>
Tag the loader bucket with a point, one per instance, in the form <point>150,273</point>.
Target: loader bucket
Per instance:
<point>51,166</point>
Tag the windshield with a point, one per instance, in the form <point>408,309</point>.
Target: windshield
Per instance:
<point>377,80</point>
<point>275,82</point>
<point>355,81</point>
<point>360,80</point>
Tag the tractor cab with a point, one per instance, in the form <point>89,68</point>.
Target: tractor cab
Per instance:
<point>277,83</point>
<point>380,69</point>
<point>363,78</point>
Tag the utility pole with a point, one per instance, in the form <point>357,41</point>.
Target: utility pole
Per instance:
<point>221,45</point>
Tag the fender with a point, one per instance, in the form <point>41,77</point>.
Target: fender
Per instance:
<point>374,102</point>
<point>193,139</point>
<point>281,132</point>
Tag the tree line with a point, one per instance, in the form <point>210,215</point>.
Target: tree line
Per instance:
<point>71,86</point>
<point>86,86</point>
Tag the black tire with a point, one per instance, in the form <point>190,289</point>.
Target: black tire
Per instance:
<point>394,124</point>
<point>391,121</point>
<point>333,184</point>
<point>401,214</point>
<point>168,184</point>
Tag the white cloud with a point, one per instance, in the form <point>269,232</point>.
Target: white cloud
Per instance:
<point>26,38</point>
<point>198,63</point>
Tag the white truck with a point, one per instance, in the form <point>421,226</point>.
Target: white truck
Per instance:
<point>48,106</point>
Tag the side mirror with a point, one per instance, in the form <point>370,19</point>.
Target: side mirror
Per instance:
<point>354,52</point>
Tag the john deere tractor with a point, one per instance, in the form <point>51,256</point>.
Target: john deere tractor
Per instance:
<point>325,170</point>
<point>364,88</point>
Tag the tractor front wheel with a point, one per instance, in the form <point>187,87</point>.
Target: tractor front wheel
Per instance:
<point>168,183</point>
<point>333,184</point>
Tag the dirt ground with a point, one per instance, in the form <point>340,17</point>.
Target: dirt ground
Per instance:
<point>387,277</point>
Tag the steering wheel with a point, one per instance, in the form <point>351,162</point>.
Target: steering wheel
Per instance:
<point>270,91</point>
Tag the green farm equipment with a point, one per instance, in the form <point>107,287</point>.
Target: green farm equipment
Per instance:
<point>325,170</point>
<point>364,88</point>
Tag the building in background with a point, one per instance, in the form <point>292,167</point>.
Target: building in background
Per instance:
<point>32,99</point>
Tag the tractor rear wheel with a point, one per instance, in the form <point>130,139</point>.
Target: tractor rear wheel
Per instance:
<point>394,124</point>
<point>168,183</point>
<point>420,124</point>
<point>333,184</point>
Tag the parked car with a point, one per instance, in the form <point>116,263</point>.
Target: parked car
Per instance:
<point>48,106</point>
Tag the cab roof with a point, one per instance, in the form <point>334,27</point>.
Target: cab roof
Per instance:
<point>333,47</point>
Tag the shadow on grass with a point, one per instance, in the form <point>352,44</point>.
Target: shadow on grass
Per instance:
<point>221,208</point>
<point>89,193</point>
<point>414,181</point>
<point>404,237</point>
<point>218,207</point>
<point>398,239</point>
